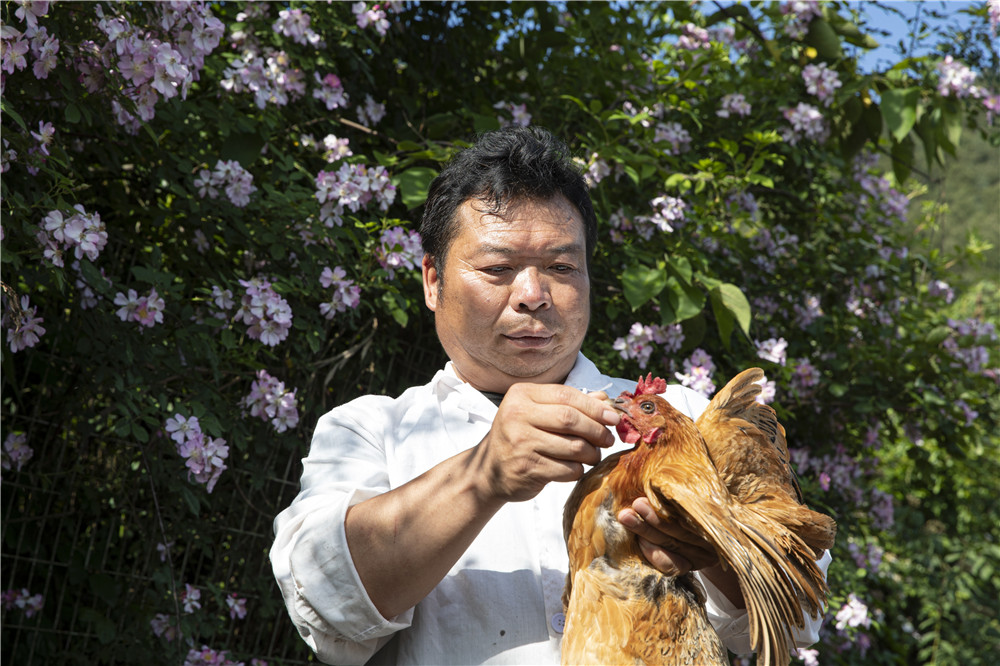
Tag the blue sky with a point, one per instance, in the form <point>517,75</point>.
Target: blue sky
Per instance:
<point>896,25</point>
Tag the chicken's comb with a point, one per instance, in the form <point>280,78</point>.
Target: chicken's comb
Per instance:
<point>651,385</point>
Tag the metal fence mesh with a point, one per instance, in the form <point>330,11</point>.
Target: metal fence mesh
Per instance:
<point>82,520</point>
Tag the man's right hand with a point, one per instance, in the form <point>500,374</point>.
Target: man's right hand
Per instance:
<point>542,433</point>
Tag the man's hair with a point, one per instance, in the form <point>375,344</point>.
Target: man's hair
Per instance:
<point>501,167</point>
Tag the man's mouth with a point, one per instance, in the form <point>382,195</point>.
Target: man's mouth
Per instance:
<point>530,339</point>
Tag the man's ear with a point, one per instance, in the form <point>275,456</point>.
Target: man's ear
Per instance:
<point>431,282</point>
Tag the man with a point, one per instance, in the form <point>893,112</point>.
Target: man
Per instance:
<point>437,515</point>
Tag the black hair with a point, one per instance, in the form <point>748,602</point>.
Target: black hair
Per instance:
<point>500,167</point>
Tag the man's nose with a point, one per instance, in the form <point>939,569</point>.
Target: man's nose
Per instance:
<point>530,291</point>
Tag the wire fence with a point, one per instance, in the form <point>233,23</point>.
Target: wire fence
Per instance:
<point>86,522</point>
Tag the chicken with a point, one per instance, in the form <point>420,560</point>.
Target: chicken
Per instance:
<point>621,610</point>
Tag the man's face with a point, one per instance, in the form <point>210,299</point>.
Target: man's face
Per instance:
<point>512,302</point>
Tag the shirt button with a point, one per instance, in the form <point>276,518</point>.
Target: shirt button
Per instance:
<point>558,622</point>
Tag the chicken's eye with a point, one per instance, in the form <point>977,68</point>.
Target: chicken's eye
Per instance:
<point>647,407</point>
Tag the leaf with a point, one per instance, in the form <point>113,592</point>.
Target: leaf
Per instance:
<point>730,307</point>
<point>686,299</point>
<point>413,185</point>
<point>192,500</point>
<point>396,305</point>
<point>951,131</point>
<point>642,283</point>
<point>822,37</point>
<point>72,113</point>
<point>7,111</point>
<point>899,110</point>
<point>902,159</point>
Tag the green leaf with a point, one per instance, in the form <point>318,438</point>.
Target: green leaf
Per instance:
<point>951,131</point>
<point>730,307</point>
<point>72,114</point>
<point>642,283</point>
<point>686,300</point>
<point>192,500</point>
<point>937,335</point>
<point>899,110</point>
<point>396,305</point>
<point>822,37</point>
<point>140,433</point>
<point>902,159</point>
<point>413,185</point>
<point>7,111</point>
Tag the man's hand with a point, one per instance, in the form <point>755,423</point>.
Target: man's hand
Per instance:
<point>543,433</point>
<point>668,547</point>
<point>676,551</point>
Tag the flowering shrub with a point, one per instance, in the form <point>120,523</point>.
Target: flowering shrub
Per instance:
<point>209,219</point>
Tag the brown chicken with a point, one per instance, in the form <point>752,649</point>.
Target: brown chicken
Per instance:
<point>621,610</point>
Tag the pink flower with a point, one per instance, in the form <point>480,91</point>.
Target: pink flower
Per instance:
<point>27,329</point>
<point>674,134</point>
<point>29,11</point>
<point>398,249</point>
<point>733,104</point>
<point>44,136</point>
<point>237,606</point>
<point>164,549</point>
<point>346,294</point>
<point>854,613</point>
<point>330,91</point>
<point>14,46</point>
<point>641,339</point>
<point>697,373</point>
<point>32,604</point>
<point>269,400</point>
<point>371,112</point>
<point>374,16</point>
<point>668,212</point>
<point>806,120</point>
<point>182,428</point>
<point>162,625</point>
<point>519,114</point>
<point>129,304</point>
<point>956,79</point>
<point>802,13</point>
<point>821,81</point>
<point>190,598</point>
<point>16,451</point>
<point>693,38</point>
<point>45,58</point>
<point>294,23</point>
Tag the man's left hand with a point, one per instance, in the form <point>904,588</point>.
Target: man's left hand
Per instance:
<point>668,547</point>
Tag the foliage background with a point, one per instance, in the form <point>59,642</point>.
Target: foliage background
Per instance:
<point>775,232</point>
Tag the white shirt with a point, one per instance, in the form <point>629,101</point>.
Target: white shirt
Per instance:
<point>501,602</point>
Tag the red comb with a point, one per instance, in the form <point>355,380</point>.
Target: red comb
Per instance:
<point>651,385</point>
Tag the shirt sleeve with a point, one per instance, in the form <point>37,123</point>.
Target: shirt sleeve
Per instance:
<point>311,561</point>
<point>733,624</point>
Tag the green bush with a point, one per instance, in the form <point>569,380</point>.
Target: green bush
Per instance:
<point>209,216</point>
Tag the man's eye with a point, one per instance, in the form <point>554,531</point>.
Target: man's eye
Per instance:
<point>562,268</point>
<point>496,270</point>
